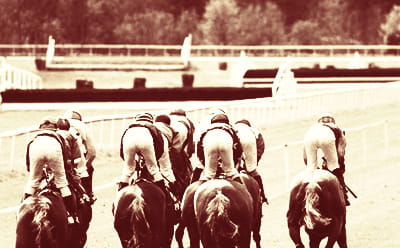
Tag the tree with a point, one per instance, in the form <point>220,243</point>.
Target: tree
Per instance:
<point>260,24</point>
<point>219,21</point>
<point>305,33</point>
<point>391,28</point>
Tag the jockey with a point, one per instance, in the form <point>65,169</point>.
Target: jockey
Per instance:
<point>80,130</point>
<point>327,136</point>
<point>253,147</point>
<point>142,138</point>
<point>74,166</point>
<point>183,140</point>
<point>162,122</point>
<point>202,127</point>
<point>219,144</point>
<point>48,148</point>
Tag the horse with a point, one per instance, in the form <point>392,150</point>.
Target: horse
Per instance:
<point>217,213</point>
<point>42,219</point>
<point>317,202</point>
<point>42,222</point>
<point>140,215</point>
<point>188,216</point>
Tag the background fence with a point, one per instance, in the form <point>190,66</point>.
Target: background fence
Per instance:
<point>198,50</point>
<point>14,78</point>
<point>265,112</point>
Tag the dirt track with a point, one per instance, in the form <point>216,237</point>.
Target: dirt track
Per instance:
<point>372,218</point>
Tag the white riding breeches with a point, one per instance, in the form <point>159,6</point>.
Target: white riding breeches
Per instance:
<point>218,145</point>
<point>45,150</point>
<point>138,141</point>
<point>323,138</point>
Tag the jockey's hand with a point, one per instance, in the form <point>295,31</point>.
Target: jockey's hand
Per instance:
<point>76,178</point>
<point>172,187</point>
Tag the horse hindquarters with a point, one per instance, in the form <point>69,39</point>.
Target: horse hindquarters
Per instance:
<point>42,222</point>
<point>224,214</point>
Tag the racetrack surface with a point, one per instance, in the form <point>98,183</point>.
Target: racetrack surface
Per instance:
<point>372,172</point>
<point>372,169</point>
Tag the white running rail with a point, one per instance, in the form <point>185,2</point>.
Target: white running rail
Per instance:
<point>263,112</point>
<point>14,78</point>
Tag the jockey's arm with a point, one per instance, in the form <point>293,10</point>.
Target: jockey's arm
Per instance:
<point>78,159</point>
<point>91,150</point>
<point>165,163</point>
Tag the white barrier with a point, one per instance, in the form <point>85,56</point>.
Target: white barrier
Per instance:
<point>264,112</point>
<point>15,78</point>
<point>287,158</point>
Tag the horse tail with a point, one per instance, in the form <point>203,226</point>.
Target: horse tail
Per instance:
<point>313,215</point>
<point>140,225</point>
<point>41,223</point>
<point>218,218</point>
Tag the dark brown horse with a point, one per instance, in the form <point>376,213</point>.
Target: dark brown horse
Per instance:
<point>219,213</point>
<point>42,221</point>
<point>140,216</point>
<point>317,202</point>
<point>188,219</point>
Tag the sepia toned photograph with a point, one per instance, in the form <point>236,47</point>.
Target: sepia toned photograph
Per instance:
<point>208,123</point>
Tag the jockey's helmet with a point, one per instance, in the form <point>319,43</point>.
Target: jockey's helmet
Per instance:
<point>48,122</point>
<point>215,111</point>
<point>326,118</point>
<point>73,114</point>
<point>164,119</point>
<point>144,117</point>
<point>243,121</point>
<point>63,124</point>
<point>220,118</point>
<point>180,112</point>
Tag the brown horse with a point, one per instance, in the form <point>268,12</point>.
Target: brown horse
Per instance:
<point>219,213</point>
<point>42,221</point>
<point>140,216</point>
<point>317,202</point>
<point>188,219</point>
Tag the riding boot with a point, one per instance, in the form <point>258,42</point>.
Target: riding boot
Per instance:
<point>87,185</point>
<point>196,174</point>
<point>71,209</point>
<point>122,185</point>
<point>260,184</point>
<point>339,174</point>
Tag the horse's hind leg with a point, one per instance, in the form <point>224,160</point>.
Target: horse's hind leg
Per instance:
<point>342,239</point>
<point>193,236</point>
<point>179,234</point>
<point>315,241</point>
<point>245,241</point>
<point>256,234</point>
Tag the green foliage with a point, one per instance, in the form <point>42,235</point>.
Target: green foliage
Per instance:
<point>260,25</point>
<point>391,28</point>
<point>220,19</point>
<point>220,22</point>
